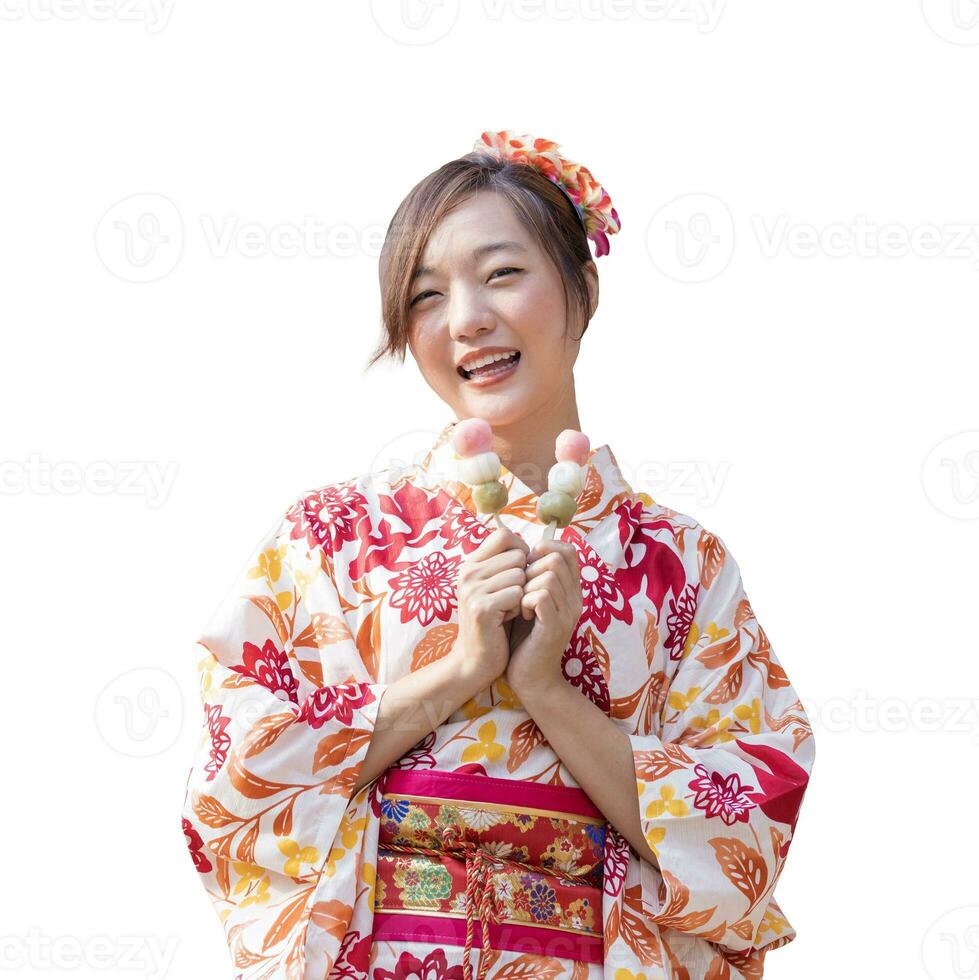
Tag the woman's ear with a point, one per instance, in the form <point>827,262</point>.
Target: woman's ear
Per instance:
<point>591,274</point>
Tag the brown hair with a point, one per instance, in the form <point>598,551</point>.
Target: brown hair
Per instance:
<point>539,204</point>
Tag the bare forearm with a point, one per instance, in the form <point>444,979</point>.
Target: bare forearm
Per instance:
<point>595,750</point>
<point>415,705</point>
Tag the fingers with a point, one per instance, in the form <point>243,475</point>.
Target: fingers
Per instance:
<point>500,540</point>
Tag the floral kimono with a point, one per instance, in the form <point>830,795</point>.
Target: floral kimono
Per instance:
<point>479,836</point>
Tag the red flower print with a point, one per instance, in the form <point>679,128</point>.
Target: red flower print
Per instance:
<point>461,530</point>
<point>329,516</point>
<point>582,670</point>
<point>270,667</point>
<point>426,590</point>
<point>601,597</point>
<point>720,796</point>
<point>195,845</point>
<point>679,621</point>
<point>336,701</point>
<point>220,740</point>
<point>435,967</point>
<point>783,784</point>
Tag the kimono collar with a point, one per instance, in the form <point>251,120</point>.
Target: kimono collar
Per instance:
<point>605,488</point>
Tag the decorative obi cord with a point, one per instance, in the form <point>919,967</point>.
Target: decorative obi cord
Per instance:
<point>524,859</point>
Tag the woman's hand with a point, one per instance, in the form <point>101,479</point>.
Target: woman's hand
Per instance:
<point>552,603</point>
<point>489,590</point>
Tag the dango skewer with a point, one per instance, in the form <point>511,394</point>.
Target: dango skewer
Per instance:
<point>565,480</point>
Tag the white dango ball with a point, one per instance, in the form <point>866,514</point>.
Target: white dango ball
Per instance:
<point>566,477</point>
<point>481,468</point>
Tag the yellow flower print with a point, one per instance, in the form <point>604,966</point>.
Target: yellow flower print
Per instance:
<point>623,974</point>
<point>692,636</point>
<point>473,709</point>
<point>680,702</point>
<point>486,746</point>
<point>715,725</point>
<point>667,803</point>
<point>261,894</point>
<point>206,669</point>
<point>247,874</point>
<point>297,856</point>
<point>654,836</point>
<point>751,715</point>
<point>770,923</point>
<point>715,632</point>
<point>269,565</point>
<point>368,875</point>
<point>508,700</point>
<point>331,862</point>
<point>350,830</point>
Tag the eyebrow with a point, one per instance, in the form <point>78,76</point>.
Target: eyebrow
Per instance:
<point>477,254</point>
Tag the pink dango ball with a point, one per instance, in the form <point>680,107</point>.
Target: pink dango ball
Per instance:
<point>573,446</point>
<point>472,436</point>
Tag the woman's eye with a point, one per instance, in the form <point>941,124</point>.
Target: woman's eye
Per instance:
<point>508,268</point>
<point>421,296</point>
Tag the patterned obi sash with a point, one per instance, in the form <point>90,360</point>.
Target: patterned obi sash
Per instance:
<point>525,859</point>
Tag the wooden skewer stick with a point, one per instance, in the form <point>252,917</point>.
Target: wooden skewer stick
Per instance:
<point>499,523</point>
<point>549,530</point>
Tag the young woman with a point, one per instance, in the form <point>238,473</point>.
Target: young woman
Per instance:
<point>435,747</point>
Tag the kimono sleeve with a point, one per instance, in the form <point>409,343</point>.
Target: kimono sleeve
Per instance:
<point>288,710</point>
<point>721,787</point>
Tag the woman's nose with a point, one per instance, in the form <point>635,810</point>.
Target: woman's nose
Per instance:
<point>468,317</point>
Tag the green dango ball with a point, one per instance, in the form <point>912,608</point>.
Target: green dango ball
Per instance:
<point>490,498</point>
<point>553,505</point>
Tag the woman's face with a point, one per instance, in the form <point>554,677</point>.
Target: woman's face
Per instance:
<point>485,283</point>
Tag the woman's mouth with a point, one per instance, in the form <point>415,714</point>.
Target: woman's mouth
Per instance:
<point>491,373</point>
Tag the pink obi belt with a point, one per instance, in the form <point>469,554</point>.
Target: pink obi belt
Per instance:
<point>460,853</point>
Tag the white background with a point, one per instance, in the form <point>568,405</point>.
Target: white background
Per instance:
<point>820,390</point>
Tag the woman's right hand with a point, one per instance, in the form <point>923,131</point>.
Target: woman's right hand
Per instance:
<point>489,591</point>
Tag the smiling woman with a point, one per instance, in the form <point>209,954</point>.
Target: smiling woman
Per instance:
<point>434,750</point>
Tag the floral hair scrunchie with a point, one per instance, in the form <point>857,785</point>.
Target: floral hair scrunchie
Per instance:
<point>590,200</point>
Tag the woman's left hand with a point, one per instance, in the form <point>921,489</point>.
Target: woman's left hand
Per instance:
<point>549,611</point>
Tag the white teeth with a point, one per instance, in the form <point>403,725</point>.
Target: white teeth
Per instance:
<point>483,361</point>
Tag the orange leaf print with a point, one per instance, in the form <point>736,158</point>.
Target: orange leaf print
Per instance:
<point>654,765</point>
<point>369,640</point>
<point>312,671</point>
<point>530,968</point>
<point>744,929</point>
<point>650,638</point>
<point>710,557</point>
<point>743,866</point>
<point>249,785</point>
<point>264,733</point>
<point>246,847</point>
<point>323,629</point>
<point>611,931</point>
<point>634,930</point>
<point>434,645</point>
<point>525,738</point>
<point>271,609</point>
<point>743,614</point>
<point>729,686</point>
<point>591,493</point>
<point>282,825</point>
<point>211,813</point>
<point>342,783</point>
<point>332,917</point>
<point>292,914</point>
<point>719,969</point>
<point>335,748</point>
<point>721,653</point>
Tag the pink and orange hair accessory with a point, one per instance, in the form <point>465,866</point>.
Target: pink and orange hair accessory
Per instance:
<point>591,201</point>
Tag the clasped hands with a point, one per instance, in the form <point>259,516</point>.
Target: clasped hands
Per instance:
<point>518,608</point>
